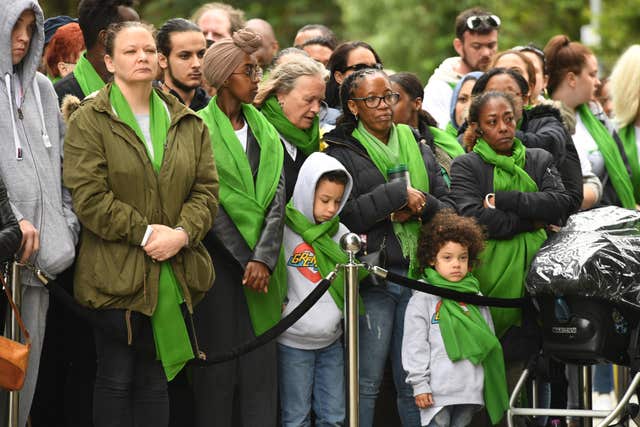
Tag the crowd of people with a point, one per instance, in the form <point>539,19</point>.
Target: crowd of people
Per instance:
<point>189,185</point>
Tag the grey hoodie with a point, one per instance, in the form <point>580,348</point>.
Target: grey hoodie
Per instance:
<point>321,325</point>
<point>31,148</point>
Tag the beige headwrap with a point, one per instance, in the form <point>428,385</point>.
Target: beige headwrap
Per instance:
<point>227,54</point>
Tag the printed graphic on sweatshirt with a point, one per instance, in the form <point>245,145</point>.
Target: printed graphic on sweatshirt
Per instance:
<point>435,319</point>
<point>304,259</point>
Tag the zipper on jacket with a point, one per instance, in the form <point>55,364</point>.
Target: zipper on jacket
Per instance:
<point>20,114</point>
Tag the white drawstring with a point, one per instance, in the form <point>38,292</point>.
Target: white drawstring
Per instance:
<point>16,138</point>
<point>45,135</point>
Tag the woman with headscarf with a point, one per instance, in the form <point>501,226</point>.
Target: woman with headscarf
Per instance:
<point>245,241</point>
<point>460,102</point>
<point>291,99</point>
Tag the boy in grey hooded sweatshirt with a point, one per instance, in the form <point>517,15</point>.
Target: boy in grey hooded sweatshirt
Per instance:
<point>30,165</point>
<point>310,355</point>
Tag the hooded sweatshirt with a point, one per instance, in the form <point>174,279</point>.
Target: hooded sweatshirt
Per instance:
<point>31,148</point>
<point>439,89</point>
<point>321,326</point>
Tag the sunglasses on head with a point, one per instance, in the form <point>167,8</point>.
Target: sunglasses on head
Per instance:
<point>358,67</point>
<point>476,22</point>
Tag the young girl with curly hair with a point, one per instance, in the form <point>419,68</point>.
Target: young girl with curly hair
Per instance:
<point>452,357</point>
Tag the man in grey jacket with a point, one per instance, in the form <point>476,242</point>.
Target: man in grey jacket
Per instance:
<point>30,165</point>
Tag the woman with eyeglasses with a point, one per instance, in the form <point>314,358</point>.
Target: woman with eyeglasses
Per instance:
<point>345,60</point>
<point>291,99</point>
<point>408,110</point>
<point>538,127</point>
<point>144,186</point>
<point>396,184</point>
<point>245,241</point>
<point>573,79</point>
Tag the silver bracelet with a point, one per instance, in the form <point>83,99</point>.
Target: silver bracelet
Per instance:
<point>486,199</point>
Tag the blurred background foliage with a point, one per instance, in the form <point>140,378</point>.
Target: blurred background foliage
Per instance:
<point>416,35</point>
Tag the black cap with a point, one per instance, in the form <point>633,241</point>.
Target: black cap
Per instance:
<point>51,25</point>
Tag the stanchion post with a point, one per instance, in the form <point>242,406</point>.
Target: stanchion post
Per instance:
<point>351,244</point>
<point>14,334</point>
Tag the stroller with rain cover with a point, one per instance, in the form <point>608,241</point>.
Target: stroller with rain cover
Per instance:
<point>585,284</point>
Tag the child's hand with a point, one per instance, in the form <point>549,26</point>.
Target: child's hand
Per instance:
<point>424,400</point>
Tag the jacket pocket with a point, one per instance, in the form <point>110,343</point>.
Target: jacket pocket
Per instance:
<point>119,268</point>
<point>198,269</point>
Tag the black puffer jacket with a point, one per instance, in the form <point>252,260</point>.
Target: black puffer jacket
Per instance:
<point>472,180</point>
<point>373,199</point>
<point>10,234</point>
<point>542,127</point>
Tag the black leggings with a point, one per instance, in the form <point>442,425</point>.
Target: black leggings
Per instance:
<point>131,386</point>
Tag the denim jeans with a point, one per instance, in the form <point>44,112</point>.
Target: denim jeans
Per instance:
<point>311,379</point>
<point>381,330</point>
<point>454,416</point>
<point>131,386</point>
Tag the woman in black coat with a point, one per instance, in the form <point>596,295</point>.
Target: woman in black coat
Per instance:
<point>10,238</point>
<point>514,192</point>
<point>540,126</point>
<point>376,202</point>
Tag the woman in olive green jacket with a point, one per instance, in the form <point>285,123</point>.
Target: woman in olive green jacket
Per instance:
<point>144,185</point>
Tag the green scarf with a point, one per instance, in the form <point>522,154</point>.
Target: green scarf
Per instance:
<point>402,148</point>
<point>504,264</point>
<point>328,252</point>
<point>467,335</point>
<point>87,76</point>
<point>628,136</point>
<point>247,202</point>
<point>444,140</point>
<point>451,130</point>
<point>169,330</point>
<point>308,141</point>
<point>612,159</point>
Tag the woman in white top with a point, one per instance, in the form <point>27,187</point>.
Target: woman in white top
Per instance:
<point>573,79</point>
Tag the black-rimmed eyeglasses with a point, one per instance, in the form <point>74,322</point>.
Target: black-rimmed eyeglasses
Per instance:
<point>475,22</point>
<point>358,67</point>
<point>373,101</point>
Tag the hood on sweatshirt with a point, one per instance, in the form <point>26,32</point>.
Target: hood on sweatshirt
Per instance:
<point>27,68</point>
<point>446,71</point>
<point>9,15</point>
<point>312,169</point>
<point>474,75</point>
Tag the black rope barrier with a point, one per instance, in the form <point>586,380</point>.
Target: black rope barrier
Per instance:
<point>286,322</point>
<point>468,298</point>
<point>93,317</point>
<point>277,329</point>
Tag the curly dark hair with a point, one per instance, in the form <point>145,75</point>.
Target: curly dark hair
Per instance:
<point>448,226</point>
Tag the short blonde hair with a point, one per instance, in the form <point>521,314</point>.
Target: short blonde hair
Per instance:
<point>625,86</point>
<point>282,79</point>
<point>236,16</point>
